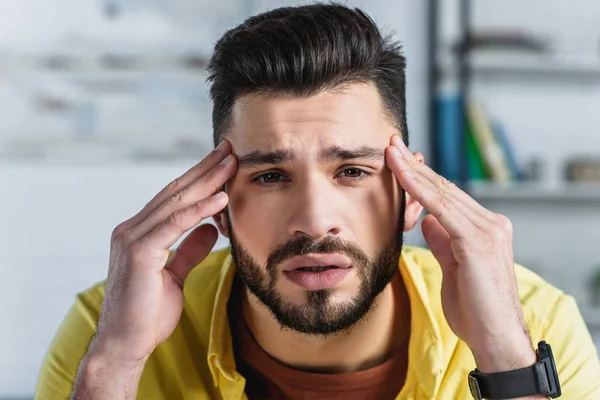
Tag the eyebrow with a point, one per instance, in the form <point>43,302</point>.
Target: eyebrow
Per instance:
<point>259,158</point>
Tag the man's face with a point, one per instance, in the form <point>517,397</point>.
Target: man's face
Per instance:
<point>315,217</point>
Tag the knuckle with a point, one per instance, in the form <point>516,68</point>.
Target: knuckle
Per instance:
<point>174,219</point>
<point>215,186</point>
<point>203,188</point>
<point>445,203</point>
<point>174,186</point>
<point>501,229</point>
<point>445,184</point>
<point>118,232</point>
<point>504,223</point>
<point>413,162</point>
<point>177,197</point>
<point>210,175</point>
<point>120,236</point>
<point>209,180</point>
<point>197,208</point>
<point>204,161</point>
<point>445,200</point>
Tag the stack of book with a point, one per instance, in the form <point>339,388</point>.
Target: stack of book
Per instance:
<point>487,147</point>
<point>489,152</point>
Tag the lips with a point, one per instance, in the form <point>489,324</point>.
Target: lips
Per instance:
<point>318,262</point>
<point>317,271</point>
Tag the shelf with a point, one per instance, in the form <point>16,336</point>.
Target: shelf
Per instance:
<point>527,191</point>
<point>505,64</point>
<point>533,65</point>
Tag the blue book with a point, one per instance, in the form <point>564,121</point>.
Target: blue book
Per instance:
<point>449,129</point>
<point>516,171</point>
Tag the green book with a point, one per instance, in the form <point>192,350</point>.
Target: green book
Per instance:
<point>474,157</point>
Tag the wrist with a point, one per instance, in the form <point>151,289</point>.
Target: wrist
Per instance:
<point>504,356</point>
<point>102,375</point>
<point>119,352</point>
<point>97,360</point>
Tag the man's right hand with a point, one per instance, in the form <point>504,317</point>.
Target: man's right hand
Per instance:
<point>143,298</point>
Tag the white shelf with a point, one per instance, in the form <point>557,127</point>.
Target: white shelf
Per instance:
<point>526,191</point>
<point>538,65</point>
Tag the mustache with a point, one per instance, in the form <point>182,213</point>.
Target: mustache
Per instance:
<point>305,245</point>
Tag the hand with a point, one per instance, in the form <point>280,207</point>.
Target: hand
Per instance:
<point>144,293</point>
<point>473,245</point>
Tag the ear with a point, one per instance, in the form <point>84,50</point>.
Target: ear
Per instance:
<point>221,223</point>
<point>413,208</point>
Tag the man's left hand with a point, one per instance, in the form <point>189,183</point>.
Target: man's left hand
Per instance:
<point>473,245</point>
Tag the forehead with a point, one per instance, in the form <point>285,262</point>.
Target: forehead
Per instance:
<point>349,117</point>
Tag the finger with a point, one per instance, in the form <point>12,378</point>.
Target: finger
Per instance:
<point>450,212</point>
<point>456,215</point>
<point>167,233</point>
<point>209,162</point>
<point>205,186</point>
<point>436,179</point>
<point>438,241</point>
<point>192,250</point>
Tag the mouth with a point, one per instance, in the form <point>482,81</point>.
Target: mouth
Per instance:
<point>317,271</point>
<point>317,262</point>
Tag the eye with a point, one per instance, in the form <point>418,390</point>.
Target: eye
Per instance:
<point>269,178</point>
<point>354,173</point>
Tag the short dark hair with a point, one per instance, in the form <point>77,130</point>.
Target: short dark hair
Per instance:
<point>302,51</point>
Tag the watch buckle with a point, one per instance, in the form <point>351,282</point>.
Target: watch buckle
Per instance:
<point>474,387</point>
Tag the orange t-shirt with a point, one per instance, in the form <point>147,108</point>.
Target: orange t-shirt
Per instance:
<point>267,378</point>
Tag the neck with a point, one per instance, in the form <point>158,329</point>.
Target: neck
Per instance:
<point>377,337</point>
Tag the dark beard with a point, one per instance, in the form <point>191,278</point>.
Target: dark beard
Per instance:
<point>318,316</point>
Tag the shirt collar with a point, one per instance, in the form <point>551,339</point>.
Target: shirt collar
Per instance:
<point>425,347</point>
<point>221,361</point>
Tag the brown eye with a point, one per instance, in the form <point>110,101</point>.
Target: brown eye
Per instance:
<point>352,172</point>
<point>270,177</point>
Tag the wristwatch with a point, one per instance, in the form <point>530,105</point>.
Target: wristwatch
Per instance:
<point>540,378</point>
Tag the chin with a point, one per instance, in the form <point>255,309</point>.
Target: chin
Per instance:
<point>318,312</point>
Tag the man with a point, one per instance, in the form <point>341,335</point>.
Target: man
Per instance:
<point>313,184</point>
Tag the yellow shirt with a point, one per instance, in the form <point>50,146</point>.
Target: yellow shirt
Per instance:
<point>197,361</point>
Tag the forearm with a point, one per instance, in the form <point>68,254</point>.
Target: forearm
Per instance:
<point>101,378</point>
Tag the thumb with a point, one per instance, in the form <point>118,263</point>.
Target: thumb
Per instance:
<point>438,241</point>
<point>192,250</point>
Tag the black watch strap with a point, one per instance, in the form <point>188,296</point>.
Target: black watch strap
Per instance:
<point>512,384</point>
<point>540,378</point>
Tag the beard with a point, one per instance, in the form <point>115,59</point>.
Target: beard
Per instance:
<point>319,316</point>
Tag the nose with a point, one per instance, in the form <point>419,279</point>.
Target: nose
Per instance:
<point>315,209</point>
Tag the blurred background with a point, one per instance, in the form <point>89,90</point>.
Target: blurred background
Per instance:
<point>103,102</point>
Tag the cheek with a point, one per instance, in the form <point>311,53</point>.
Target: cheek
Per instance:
<point>252,221</point>
<point>383,206</point>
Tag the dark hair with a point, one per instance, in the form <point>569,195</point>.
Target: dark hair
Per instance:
<point>301,51</point>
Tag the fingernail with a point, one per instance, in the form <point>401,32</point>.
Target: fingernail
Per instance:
<point>401,141</point>
<point>218,196</point>
<point>226,160</point>
<point>220,146</point>
<point>397,152</point>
